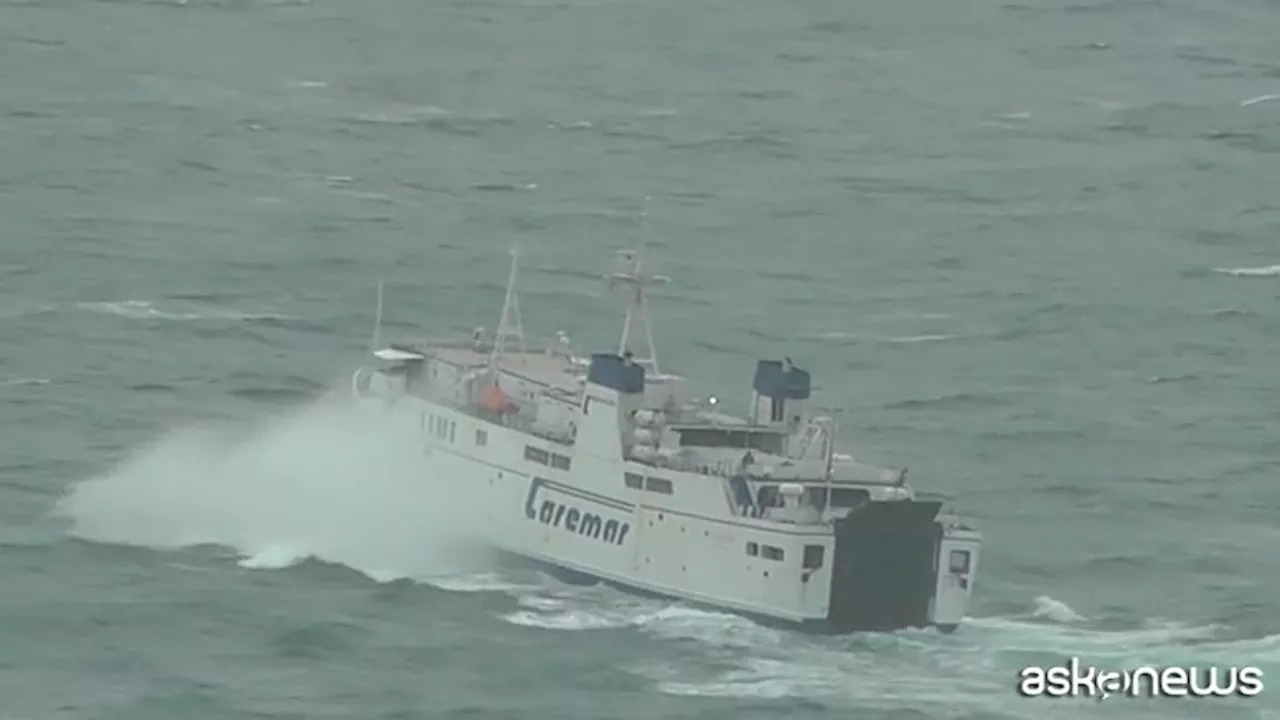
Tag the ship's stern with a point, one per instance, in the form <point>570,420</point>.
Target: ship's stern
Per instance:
<point>900,564</point>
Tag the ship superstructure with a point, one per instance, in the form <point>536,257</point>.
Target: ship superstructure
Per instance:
<point>605,467</point>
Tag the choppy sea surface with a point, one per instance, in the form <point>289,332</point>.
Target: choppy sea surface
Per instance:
<point>1029,248</point>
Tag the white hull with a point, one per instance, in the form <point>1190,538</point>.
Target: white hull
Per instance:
<point>687,545</point>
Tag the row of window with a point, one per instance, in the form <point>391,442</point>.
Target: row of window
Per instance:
<point>652,484</point>
<point>813,554</point>
<point>448,429</point>
<point>538,455</point>
<point>442,428</point>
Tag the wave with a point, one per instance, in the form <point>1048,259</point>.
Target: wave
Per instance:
<point>147,310</point>
<point>1262,271</point>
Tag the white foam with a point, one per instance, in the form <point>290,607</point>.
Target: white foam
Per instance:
<point>274,557</point>
<point>135,309</point>
<point>325,481</point>
<point>475,583</point>
<point>14,382</point>
<point>1258,99</point>
<point>569,619</point>
<point>964,674</point>
<point>1263,271</point>
<point>147,310</point>
<point>1055,610</point>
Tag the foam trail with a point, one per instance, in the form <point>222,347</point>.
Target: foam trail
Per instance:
<point>325,480</point>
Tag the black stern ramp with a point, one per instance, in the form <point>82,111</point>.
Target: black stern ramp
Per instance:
<point>884,573</point>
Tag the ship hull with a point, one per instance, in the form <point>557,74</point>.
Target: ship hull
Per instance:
<point>815,626</point>
<point>577,519</point>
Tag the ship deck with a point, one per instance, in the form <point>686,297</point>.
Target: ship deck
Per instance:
<point>555,371</point>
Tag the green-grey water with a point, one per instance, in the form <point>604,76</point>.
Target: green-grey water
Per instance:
<point>1029,248</point>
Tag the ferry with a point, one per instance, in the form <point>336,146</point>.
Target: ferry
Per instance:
<point>606,468</point>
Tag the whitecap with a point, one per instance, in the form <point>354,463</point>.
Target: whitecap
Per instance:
<point>1262,271</point>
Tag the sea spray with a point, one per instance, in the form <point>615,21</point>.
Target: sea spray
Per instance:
<point>327,480</point>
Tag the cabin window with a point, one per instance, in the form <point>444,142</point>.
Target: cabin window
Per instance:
<point>453,427</point>
<point>959,561</point>
<point>559,462</point>
<point>767,442</point>
<point>586,405</point>
<point>633,481</point>
<point>840,497</point>
<point>753,549</point>
<point>769,552</point>
<point>775,410</point>
<point>537,455</point>
<point>482,438</point>
<point>658,485</point>
<point>813,557</point>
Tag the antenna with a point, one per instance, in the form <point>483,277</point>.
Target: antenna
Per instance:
<point>377,322</point>
<point>637,333</point>
<point>509,325</point>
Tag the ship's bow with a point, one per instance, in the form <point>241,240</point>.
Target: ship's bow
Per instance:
<point>897,565</point>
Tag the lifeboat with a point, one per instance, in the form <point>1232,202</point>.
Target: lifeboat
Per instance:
<point>495,400</point>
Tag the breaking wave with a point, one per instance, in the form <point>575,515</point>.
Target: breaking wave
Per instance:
<point>325,481</point>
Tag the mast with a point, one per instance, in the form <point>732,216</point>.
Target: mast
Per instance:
<point>830,431</point>
<point>377,322</point>
<point>637,333</point>
<point>631,280</point>
<point>509,325</point>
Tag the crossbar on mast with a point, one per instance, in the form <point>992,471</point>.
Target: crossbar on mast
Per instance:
<point>637,332</point>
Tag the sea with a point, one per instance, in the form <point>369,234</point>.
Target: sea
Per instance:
<point>1028,249</point>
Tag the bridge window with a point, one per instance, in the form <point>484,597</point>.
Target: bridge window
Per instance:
<point>634,481</point>
<point>840,497</point>
<point>753,549</point>
<point>812,557</point>
<point>761,441</point>
<point>482,438</point>
<point>537,455</point>
<point>658,485</point>
<point>559,462</point>
<point>769,552</point>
